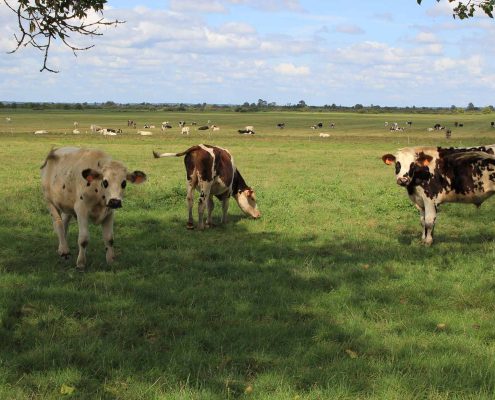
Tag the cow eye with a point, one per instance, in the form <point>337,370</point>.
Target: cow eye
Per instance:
<point>397,167</point>
<point>123,184</point>
<point>105,183</point>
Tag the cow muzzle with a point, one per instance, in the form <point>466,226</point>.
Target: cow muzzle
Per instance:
<point>403,181</point>
<point>114,203</point>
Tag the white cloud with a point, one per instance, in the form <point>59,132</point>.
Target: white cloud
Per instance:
<point>291,69</point>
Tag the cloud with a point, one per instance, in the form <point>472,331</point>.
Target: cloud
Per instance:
<point>291,70</point>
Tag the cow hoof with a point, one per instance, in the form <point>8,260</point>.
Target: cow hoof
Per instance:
<point>190,225</point>
<point>65,256</point>
<point>80,268</point>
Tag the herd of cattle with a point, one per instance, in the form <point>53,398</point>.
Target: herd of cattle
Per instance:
<point>89,185</point>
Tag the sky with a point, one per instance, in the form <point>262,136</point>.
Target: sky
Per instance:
<point>380,52</point>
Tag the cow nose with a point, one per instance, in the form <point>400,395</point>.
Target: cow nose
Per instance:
<point>256,215</point>
<point>403,181</point>
<point>114,203</point>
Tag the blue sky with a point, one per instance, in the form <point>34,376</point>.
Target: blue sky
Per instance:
<point>385,52</point>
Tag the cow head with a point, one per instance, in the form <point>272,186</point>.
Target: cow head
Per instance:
<point>246,199</point>
<point>409,166</point>
<point>112,180</point>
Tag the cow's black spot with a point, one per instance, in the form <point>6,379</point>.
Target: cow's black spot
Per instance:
<point>63,187</point>
<point>397,167</point>
<point>88,184</point>
<point>81,197</point>
<point>103,196</point>
<point>96,190</point>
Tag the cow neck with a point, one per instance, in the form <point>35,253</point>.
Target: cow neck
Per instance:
<point>238,184</point>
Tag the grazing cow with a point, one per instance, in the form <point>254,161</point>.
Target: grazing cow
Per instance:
<point>460,125</point>
<point>492,124</point>
<point>332,125</point>
<point>95,128</point>
<point>184,130</point>
<point>211,170</point>
<point>324,134</point>
<point>456,124</point>
<point>182,124</point>
<point>86,184</point>
<point>76,124</point>
<point>409,123</point>
<point>245,132</point>
<point>319,124</point>
<point>249,128</point>
<point>448,134</point>
<point>436,175</point>
<point>203,128</point>
<point>166,125</point>
<point>281,125</point>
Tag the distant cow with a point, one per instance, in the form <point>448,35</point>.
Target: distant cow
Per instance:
<point>325,135</point>
<point>184,130</point>
<point>281,125</point>
<point>249,128</point>
<point>409,123</point>
<point>88,185</point>
<point>215,128</point>
<point>448,134</point>
<point>245,132</point>
<point>203,128</point>
<point>40,132</point>
<point>436,175</point>
<point>492,124</point>
<point>211,170</point>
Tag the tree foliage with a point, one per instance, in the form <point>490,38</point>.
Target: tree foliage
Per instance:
<point>467,9</point>
<point>40,22</point>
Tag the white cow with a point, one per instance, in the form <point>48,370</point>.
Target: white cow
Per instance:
<point>145,133</point>
<point>76,131</point>
<point>324,134</point>
<point>184,130</point>
<point>86,184</point>
<point>40,132</point>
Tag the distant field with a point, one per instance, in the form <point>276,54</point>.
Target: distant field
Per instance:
<point>330,295</point>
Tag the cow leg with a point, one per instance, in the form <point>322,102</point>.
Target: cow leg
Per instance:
<point>58,226</point>
<point>204,187</point>
<point>107,227</point>
<point>66,220</point>
<point>83,238</point>
<point>190,203</point>
<point>225,208</point>
<point>422,218</point>
<point>210,206</point>
<point>429,223</point>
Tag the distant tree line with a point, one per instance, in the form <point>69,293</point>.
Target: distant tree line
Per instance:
<point>260,106</point>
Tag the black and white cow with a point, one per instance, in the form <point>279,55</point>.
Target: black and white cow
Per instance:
<point>436,175</point>
<point>211,170</point>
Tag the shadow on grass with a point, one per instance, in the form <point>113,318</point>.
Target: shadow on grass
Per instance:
<point>214,311</point>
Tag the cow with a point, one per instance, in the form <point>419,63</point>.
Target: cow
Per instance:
<point>436,175</point>
<point>249,128</point>
<point>215,128</point>
<point>281,125</point>
<point>203,128</point>
<point>184,130</point>
<point>245,132</point>
<point>211,170</point>
<point>492,124</point>
<point>325,135</point>
<point>40,132</point>
<point>145,133</point>
<point>86,184</point>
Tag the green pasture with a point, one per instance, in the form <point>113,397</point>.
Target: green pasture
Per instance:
<point>330,295</point>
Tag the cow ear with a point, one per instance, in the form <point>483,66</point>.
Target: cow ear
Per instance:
<point>388,159</point>
<point>136,177</point>
<point>424,160</point>
<point>90,175</point>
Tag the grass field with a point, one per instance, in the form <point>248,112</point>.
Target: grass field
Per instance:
<point>330,295</point>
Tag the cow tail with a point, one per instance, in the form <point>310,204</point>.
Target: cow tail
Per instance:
<point>158,155</point>
<point>51,156</point>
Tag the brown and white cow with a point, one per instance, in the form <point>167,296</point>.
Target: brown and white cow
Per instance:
<point>436,175</point>
<point>86,184</point>
<point>211,170</point>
